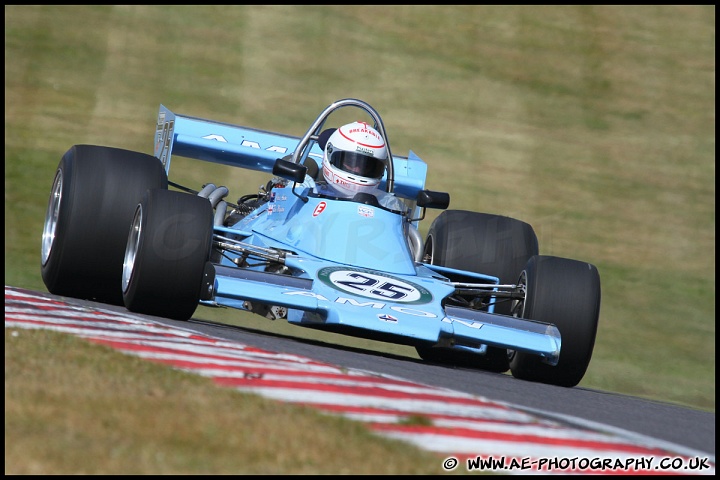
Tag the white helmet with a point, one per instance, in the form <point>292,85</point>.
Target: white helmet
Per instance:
<point>354,158</point>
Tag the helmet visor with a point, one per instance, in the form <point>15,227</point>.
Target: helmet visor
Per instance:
<point>357,163</point>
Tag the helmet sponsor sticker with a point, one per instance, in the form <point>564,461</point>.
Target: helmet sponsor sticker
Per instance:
<point>375,285</point>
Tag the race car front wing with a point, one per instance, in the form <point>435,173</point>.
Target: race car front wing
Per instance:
<point>311,303</point>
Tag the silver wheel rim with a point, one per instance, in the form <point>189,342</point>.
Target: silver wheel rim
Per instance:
<point>131,249</point>
<point>51,217</point>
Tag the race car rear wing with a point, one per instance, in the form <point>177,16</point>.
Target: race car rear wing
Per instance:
<point>255,149</point>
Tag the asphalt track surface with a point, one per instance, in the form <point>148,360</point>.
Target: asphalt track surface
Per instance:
<point>678,425</point>
<point>686,431</point>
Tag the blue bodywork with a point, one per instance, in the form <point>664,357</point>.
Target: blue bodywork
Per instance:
<point>345,266</point>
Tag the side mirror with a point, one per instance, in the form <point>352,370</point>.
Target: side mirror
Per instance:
<point>289,170</point>
<point>430,199</point>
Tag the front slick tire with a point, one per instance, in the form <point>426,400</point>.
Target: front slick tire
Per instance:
<point>566,293</point>
<point>167,249</point>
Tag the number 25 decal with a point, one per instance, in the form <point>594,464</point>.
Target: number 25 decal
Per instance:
<point>373,285</point>
<point>387,290</point>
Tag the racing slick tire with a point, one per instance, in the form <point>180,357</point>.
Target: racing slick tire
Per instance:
<point>91,205</point>
<point>167,249</point>
<point>483,243</point>
<point>566,293</point>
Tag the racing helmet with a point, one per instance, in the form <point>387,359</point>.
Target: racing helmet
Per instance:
<point>354,158</point>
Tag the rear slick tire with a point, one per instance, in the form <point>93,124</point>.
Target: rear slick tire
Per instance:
<point>481,243</point>
<point>91,205</point>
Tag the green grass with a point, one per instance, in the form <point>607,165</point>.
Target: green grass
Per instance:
<point>595,124</point>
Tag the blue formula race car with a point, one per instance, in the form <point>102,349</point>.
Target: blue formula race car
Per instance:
<point>474,292</point>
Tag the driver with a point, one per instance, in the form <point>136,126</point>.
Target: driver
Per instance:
<point>354,162</point>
